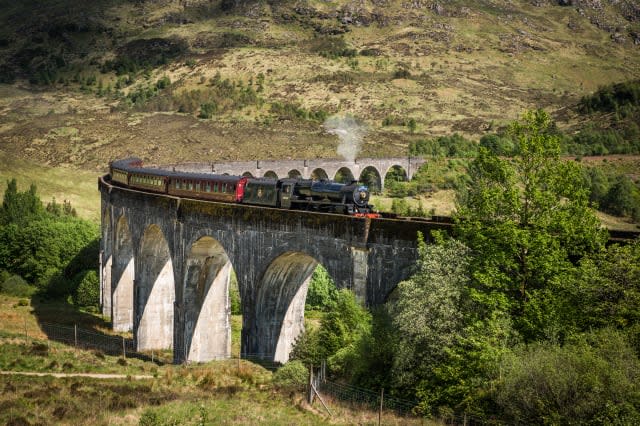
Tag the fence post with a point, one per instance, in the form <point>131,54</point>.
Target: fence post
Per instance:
<point>310,394</point>
<point>124,349</point>
<point>75,335</point>
<point>381,402</point>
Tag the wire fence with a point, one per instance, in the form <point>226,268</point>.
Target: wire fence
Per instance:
<point>358,395</point>
<point>120,345</point>
<point>319,386</point>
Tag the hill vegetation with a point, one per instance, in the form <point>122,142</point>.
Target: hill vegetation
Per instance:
<point>239,80</point>
<point>524,315</point>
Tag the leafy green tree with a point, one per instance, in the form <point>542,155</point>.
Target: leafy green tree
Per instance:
<point>294,375</point>
<point>623,198</point>
<point>338,337</point>
<point>322,291</point>
<point>426,311</point>
<point>19,207</point>
<point>40,248</point>
<point>527,218</point>
<point>442,353</point>
<point>47,248</point>
<point>605,291</point>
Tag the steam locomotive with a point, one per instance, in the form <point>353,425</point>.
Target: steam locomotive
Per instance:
<point>296,194</point>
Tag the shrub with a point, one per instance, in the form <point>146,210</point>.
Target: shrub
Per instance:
<point>88,290</point>
<point>291,376</point>
<point>593,380</point>
<point>15,285</point>
<point>332,47</point>
<point>208,109</point>
<point>402,73</point>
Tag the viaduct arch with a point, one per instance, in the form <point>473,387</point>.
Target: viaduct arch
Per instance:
<point>308,169</point>
<point>166,264</point>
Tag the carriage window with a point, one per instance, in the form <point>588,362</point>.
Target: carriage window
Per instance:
<point>215,187</point>
<point>208,187</point>
<point>197,186</point>
<point>224,187</point>
<point>177,184</point>
<point>233,188</point>
<point>189,186</point>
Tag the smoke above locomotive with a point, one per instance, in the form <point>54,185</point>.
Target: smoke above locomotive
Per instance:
<point>350,131</point>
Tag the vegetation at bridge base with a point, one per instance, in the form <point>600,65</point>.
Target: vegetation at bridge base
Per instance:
<point>523,316</point>
<point>47,248</point>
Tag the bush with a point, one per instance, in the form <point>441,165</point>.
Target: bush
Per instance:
<point>444,146</point>
<point>593,380</point>
<point>88,289</point>
<point>208,109</point>
<point>332,47</point>
<point>291,376</point>
<point>15,285</point>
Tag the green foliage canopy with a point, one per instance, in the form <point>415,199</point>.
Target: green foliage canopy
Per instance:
<point>528,217</point>
<point>47,248</point>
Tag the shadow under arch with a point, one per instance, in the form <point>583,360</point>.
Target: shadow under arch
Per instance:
<point>395,173</point>
<point>247,174</point>
<point>344,175</point>
<point>270,175</point>
<point>294,174</point>
<point>207,306</point>
<point>318,174</point>
<point>122,276</point>
<point>280,301</point>
<point>370,176</point>
<point>154,292</point>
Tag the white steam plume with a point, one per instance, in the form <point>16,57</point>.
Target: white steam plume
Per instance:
<point>350,132</point>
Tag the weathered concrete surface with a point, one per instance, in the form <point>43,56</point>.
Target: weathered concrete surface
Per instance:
<point>184,249</point>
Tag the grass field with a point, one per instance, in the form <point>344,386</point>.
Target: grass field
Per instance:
<point>221,392</point>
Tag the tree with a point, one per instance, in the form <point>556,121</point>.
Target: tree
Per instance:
<point>322,291</point>
<point>441,353</point>
<point>338,337</point>
<point>623,198</point>
<point>605,290</point>
<point>426,310</point>
<point>527,219</point>
<point>19,207</point>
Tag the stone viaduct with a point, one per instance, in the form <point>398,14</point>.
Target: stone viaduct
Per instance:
<point>166,264</point>
<point>375,168</point>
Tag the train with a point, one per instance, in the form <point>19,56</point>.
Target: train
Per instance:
<point>294,194</point>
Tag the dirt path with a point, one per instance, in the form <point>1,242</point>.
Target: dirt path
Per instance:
<point>92,375</point>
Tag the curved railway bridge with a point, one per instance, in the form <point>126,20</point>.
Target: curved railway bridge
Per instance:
<point>166,264</point>
<point>371,171</point>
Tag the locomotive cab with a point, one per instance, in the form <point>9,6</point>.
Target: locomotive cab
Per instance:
<point>286,192</point>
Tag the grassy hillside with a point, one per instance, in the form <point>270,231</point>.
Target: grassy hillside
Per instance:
<point>222,392</point>
<point>278,68</point>
<point>174,81</point>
